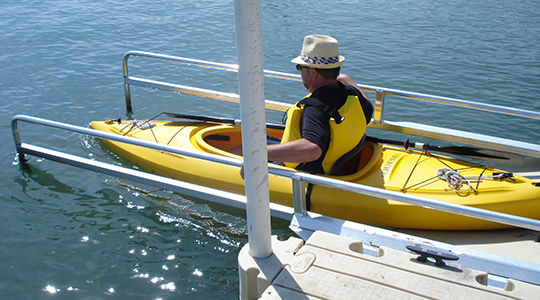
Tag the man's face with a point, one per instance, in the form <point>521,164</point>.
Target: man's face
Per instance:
<point>305,72</point>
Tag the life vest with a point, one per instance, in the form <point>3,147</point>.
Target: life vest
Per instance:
<point>345,134</point>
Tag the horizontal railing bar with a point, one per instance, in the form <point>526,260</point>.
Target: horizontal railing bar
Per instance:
<point>324,181</point>
<point>204,63</point>
<point>425,202</point>
<point>461,137</point>
<point>124,139</point>
<point>199,92</point>
<point>229,67</point>
<point>462,103</point>
<point>188,189</point>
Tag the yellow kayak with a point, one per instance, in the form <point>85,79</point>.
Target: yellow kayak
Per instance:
<point>393,168</point>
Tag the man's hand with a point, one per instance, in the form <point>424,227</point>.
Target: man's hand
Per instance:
<point>346,79</point>
<point>242,171</point>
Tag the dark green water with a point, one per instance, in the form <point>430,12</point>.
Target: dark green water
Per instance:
<point>73,234</point>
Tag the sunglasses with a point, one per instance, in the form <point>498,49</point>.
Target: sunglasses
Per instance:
<point>300,67</point>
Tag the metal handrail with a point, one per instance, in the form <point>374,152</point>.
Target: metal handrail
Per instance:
<point>128,80</point>
<point>379,91</point>
<point>455,136</point>
<point>298,178</point>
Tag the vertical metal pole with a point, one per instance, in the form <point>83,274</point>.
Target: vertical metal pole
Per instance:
<point>379,102</point>
<point>129,109</point>
<point>252,109</point>
<point>17,139</point>
<point>299,195</point>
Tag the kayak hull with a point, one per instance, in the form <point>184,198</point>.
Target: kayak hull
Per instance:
<point>380,166</point>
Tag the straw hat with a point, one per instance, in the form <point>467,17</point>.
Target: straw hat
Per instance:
<point>320,51</point>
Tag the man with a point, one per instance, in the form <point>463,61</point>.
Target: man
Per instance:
<point>331,120</point>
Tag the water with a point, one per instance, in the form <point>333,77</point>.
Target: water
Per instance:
<point>67,233</point>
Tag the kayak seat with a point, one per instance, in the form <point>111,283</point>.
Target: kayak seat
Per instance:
<point>221,141</point>
<point>348,163</point>
<point>217,137</point>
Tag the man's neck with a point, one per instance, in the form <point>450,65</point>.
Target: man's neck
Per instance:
<point>321,83</point>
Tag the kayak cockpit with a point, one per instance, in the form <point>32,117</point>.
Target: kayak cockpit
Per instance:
<point>226,140</point>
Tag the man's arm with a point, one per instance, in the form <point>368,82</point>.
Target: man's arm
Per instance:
<point>367,106</point>
<point>296,151</point>
<point>346,79</point>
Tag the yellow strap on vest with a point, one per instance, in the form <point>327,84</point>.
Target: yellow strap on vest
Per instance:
<point>292,128</point>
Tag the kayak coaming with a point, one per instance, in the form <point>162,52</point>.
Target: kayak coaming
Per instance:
<point>383,166</point>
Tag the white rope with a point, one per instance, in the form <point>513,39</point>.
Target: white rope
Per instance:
<point>454,179</point>
<point>144,124</point>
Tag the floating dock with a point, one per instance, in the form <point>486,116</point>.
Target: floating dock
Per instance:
<point>329,266</point>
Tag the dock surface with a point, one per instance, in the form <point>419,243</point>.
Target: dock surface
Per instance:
<point>328,266</point>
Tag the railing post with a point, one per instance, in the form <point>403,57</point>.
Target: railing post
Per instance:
<point>299,195</point>
<point>379,101</point>
<point>18,141</point>
<point>129,109</point>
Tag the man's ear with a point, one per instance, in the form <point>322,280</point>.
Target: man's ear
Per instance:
<point>313,72</point>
